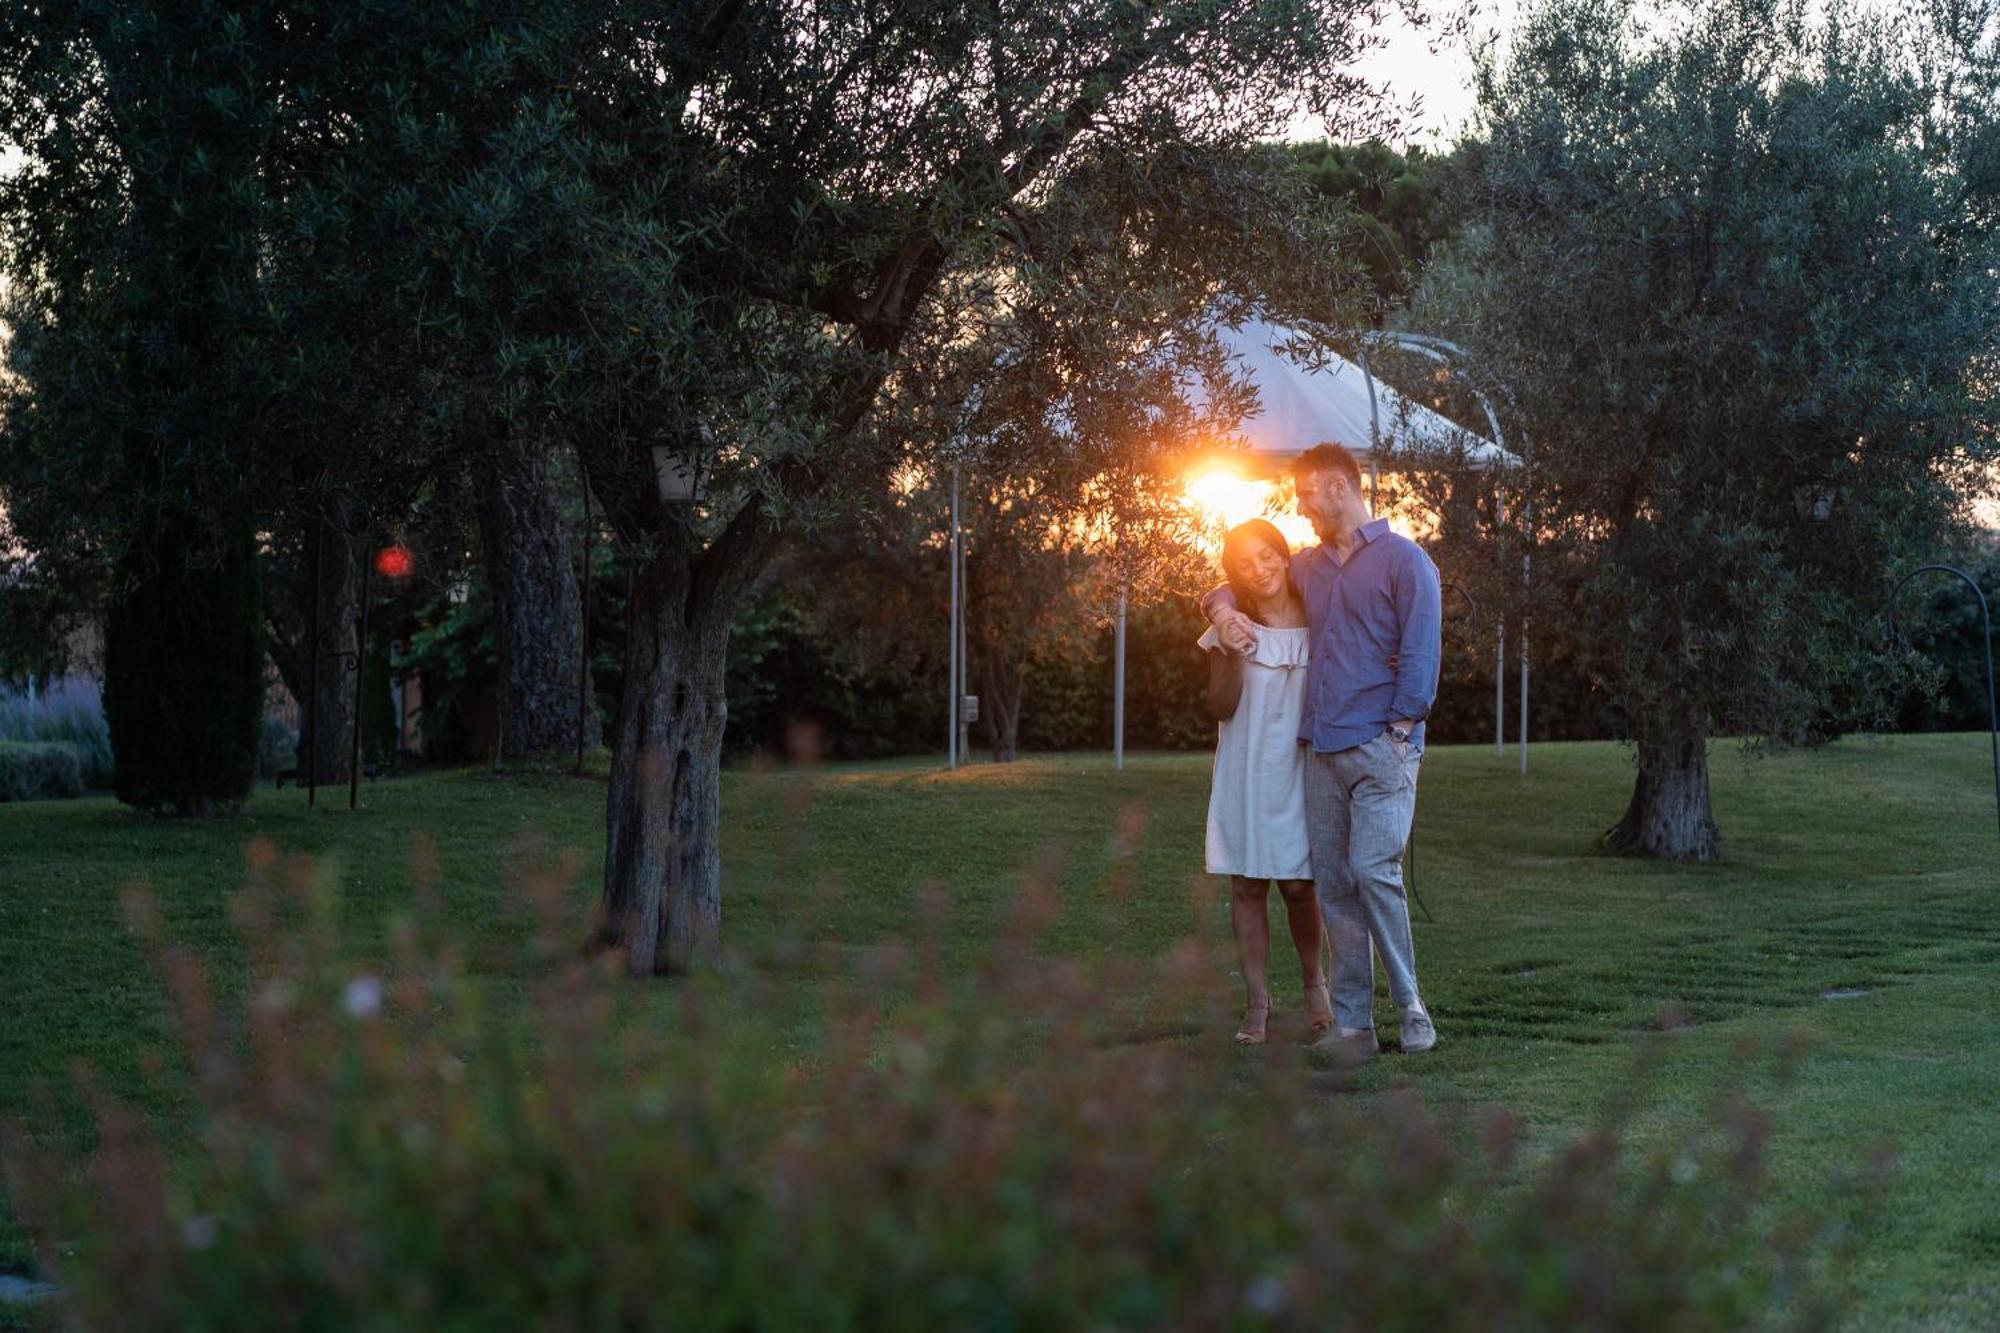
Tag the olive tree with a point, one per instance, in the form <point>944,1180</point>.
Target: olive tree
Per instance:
<point>837,199</point>
<point>1734,264</point>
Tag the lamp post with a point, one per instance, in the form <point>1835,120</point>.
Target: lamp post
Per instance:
<point>583,624</point>
<point>392,562</point>
<point>1986,648</point>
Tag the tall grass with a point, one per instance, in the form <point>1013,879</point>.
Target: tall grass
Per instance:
<point>70,712</point>
<point>403,1142</point>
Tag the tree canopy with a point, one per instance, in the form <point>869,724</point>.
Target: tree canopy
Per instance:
<point>1735,271</point>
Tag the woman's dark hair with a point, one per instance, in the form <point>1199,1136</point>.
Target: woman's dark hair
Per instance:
<point>1265,533</point>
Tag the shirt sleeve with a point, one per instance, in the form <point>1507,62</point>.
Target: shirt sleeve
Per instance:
<point>1215,599</point>
<point>1419,609</point>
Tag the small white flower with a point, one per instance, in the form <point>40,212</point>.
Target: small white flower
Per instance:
<point>198,1233</point>
<point>363,997</point>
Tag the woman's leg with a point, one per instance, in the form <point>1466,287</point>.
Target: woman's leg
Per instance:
<point>1309,939</point>
<point>1251,922</point>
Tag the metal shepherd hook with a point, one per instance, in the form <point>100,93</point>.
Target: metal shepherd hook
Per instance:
<point>1986,647</point>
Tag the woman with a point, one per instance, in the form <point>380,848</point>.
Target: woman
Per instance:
<point>1257,799</point>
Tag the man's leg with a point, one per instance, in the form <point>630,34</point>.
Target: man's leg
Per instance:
<point>1381,804</point>
<point>1353,981</point>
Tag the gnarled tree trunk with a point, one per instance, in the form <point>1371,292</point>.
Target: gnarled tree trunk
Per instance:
<point>1669,815</point>
<point>536,606</point>
<point>662,861</point>
<point>1001,676</point>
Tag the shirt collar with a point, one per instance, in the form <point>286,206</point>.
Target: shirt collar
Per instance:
<point>1367,533</point>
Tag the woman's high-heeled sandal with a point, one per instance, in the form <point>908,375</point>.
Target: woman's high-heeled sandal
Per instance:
<point>1317,1023</point>
<point>1248,1035</point>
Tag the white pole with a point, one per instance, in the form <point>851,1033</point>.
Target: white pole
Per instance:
<point>1524,699</point>
<point>1500,689</point>
<point>964,659</point>
<point>1118,686</point>
<point>964,653</point>
<point>1527,513</point>
<point>951,733</point>
<point>1374,432</point>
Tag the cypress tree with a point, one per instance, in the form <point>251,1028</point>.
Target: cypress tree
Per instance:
<point>183,671</point>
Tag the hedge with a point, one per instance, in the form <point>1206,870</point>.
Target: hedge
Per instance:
<point>40,770</point>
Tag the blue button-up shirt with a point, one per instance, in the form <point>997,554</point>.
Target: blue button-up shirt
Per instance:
<point>1383,601</point>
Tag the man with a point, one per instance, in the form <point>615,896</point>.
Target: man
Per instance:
<point>1372,599</point>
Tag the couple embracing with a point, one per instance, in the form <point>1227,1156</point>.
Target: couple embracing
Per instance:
<point>1322,668</point>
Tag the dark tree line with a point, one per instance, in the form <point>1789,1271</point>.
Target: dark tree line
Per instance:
<point>286,274</point>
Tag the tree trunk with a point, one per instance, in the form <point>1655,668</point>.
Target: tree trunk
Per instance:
<point>662,862</point>
<point>1669,815</point>
<point>536,606</point>
<point>184,667</point>
<point>1001,677</point>
<point>328,699</point>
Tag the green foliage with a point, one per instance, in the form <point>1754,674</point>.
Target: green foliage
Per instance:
<point>1545,963</point>
<point>133,238</point>
<point>1066,695</point>
<point>785,671</point>
<point>393,1140</point>
<point>1402,202</point>
<point>71,711</point>
<point>184,673</point>
<point>39,770</point>
<point>1736,284</point>
<point>1941,617</point>
<point>456,650</point>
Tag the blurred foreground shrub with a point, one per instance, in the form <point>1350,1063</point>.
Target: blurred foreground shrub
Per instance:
<point>403,1145</point>
<point>39,771</point>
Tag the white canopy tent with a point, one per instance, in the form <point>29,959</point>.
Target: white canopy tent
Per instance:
<point>1335,400</point>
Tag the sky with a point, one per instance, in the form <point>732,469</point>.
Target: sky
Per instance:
<point>1421,64</point>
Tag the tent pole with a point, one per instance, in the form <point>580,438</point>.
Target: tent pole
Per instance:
<point>1374,431</point>
<point>1500,689</point>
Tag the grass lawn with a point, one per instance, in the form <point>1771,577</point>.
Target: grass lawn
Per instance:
<point>1871,867</point>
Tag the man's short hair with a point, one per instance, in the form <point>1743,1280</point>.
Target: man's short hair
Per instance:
<point>1328,458</point>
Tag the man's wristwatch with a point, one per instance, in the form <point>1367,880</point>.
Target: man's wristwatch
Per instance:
<point>1400,735</point>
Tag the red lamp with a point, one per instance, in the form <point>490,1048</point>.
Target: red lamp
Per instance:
<point>394,561</point>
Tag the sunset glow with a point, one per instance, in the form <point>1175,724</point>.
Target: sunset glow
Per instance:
<point>1222,498</point>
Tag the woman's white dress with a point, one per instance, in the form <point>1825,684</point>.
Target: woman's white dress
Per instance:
<point>1257,798</point>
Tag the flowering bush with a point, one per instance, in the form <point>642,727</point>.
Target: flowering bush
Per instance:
<point>403,1144</point>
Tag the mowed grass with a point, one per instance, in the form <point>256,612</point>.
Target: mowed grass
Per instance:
<point>1871,867</point>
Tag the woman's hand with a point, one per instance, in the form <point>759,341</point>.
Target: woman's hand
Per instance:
<point>1236,630</point>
